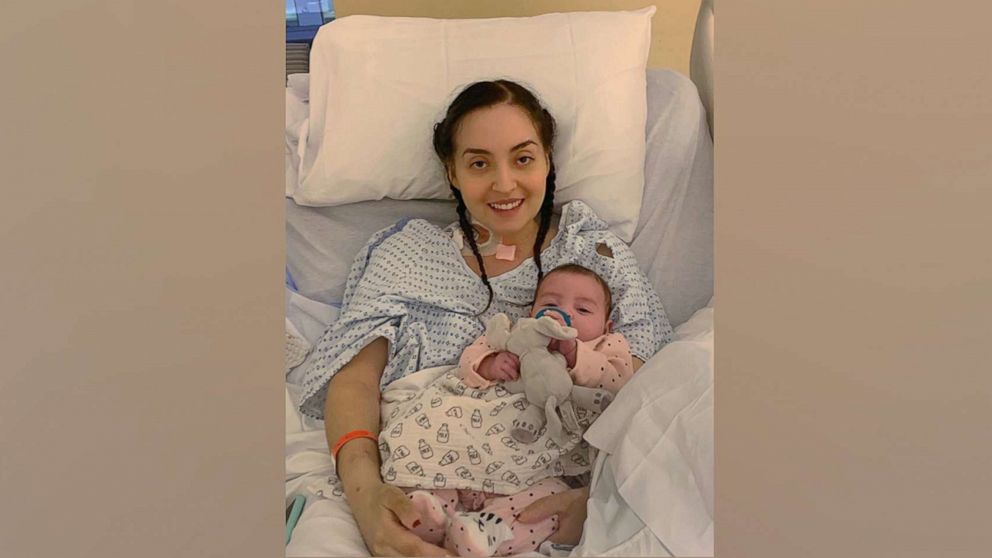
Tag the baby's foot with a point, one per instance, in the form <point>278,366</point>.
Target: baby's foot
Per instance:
<point>477,533</point>
<point>433,519</point>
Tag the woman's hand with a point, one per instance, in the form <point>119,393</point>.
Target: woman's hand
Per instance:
<point>384,516</point>
<point>570,506</point>
<point>503,366</point>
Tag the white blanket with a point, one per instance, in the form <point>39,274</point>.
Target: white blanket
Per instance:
<point>652,487</point>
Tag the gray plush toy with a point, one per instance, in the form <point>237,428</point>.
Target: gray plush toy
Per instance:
<point>544,378</point>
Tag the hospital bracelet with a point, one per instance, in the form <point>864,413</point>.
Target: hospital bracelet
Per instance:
<point>353,435</point>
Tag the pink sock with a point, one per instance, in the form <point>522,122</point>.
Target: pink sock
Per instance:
<point>477,533</point>
<point>433,519</point>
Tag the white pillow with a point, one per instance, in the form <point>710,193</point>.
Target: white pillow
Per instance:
<point>378,85</point>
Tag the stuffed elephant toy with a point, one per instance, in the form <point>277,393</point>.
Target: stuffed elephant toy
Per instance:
<point>544,378</point>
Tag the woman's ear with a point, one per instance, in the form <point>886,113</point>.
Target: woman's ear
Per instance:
<point>449,170</point>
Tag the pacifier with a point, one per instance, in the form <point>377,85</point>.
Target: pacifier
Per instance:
<point>559,311</point>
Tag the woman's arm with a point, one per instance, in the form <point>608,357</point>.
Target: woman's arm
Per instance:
<point>353,404</point>
<point>383,512</point>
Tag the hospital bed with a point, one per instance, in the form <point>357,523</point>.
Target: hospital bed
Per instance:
<point>652,482</point>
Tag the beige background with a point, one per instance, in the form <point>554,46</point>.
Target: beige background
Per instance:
<point>142,239</point>
<point>141,286</point>
<point>671,27</point>
<point>854,279</point>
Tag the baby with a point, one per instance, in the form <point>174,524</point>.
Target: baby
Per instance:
<point>459,427</point>
<point>597,357</point>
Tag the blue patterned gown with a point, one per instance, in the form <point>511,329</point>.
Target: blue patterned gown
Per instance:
<point>411,285</point>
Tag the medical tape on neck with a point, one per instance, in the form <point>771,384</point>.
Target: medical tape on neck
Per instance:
<point>493,246</point>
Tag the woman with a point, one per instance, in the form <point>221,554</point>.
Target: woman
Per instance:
<point>418,295</point>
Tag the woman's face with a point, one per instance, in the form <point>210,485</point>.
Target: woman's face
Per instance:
<point>500,168</point>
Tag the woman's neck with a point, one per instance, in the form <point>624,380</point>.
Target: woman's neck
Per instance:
<point>522,239</point>
<point>496,267</point>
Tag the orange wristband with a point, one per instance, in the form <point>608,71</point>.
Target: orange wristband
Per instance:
<point>353,435</point>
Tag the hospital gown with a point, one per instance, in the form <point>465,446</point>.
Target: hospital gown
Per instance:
<point>412,286</point>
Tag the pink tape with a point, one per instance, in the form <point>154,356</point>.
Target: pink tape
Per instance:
<point>504,252</point>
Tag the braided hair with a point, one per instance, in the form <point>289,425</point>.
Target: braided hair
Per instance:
<point>486,94</point>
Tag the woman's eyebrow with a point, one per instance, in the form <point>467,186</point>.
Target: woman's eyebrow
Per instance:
<point>478,151</point>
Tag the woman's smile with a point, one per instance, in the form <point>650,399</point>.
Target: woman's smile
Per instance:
<point>506,206</point>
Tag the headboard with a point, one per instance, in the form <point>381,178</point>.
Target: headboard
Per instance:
<point>701,58</point>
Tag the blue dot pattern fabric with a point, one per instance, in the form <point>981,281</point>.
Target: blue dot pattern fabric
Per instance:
<point>412,286</point>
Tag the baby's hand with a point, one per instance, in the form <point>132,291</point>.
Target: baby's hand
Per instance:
<point>503,367</point>
<point>568,349</point>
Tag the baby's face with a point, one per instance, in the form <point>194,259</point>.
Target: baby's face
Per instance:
<point>579,295</point>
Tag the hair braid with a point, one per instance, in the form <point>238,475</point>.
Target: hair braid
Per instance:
<point>547,206</point>
<point>469,233</point>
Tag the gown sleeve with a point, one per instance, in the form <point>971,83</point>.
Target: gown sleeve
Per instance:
<point>373,306</point>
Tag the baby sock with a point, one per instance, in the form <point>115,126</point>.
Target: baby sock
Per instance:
<point>477,533</point>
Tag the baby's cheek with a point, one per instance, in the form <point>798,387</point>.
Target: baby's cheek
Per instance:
<point>586,330</point>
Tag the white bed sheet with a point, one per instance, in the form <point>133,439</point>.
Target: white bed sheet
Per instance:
<point>652,491</point>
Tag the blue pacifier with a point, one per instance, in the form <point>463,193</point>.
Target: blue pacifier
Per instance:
<point>559,311</point>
